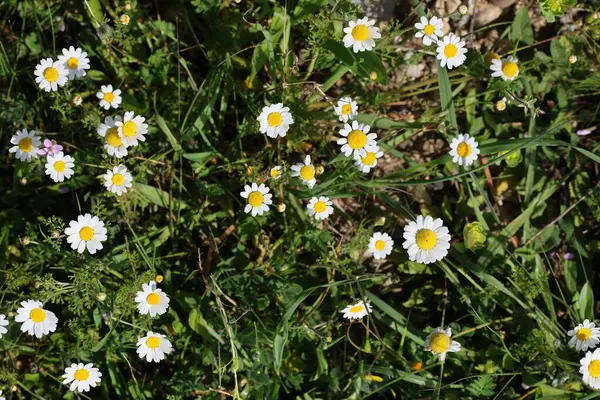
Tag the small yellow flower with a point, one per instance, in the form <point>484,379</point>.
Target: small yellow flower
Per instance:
<point>101,296</point>
<point>319,170</point>
<point>572,59</point>
<point>501,104</point>
<point>373,378</point>
<point>373,76</point>
<point>124,18</point>
<point>159,278</point>
<point>463,10</point>
<point>77,100</point>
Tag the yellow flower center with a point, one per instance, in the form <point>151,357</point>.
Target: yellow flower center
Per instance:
<point>37,315</point>
<point>274,172</point>
<point>307,172</point>
<point>594,369</point>
<point>274,119</point>
<point>584,334</point>
<point>86,233</point>
<point>357,308</point>
<point>450,50</point>
<point>429,29</point>
<point>357,139</point>
<point>81,374</point>
<point>369,159</point>
<point>346,109</point>
<point>59,166</point>
<point>51,74</point>
<point>72,63</point>
<point>320,206</point>
<point>500,105</point>
<point>129,128</point>
<point>360,33</point>
<point>117,179</point>
<point>109,97</point>
<point>463,149</point>
<point>26,145</point>
<point>426,239</point>
<point>256,199</point>
<point>153,299</point>
<point>379,245</point>
<point>439,343</point>
<point>510,69</point>
<point>153,342</point>
<point>113,138</point>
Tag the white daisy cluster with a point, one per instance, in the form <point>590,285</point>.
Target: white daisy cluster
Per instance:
<point>586,336</point>
<point>450,48</point>
<point>72,64</point>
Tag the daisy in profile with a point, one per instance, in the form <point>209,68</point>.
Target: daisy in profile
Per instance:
<point>152,300</point>
<point>275,172</point>
<point>357,139</point>
<point>501,104</point>
<point>275,120</point>
<point>429,29</point>
<point>26,145</point>
<point>426,240</point>
<point>81,377</point>
<point>110,132</point>
<point>380,245</point>
<point>118,180</point>
<point>590,369</point>
<point>132,129</point>
<point>50,75</point>
<point>59,167</point>
<point>258,198</point>
<point>75,61</point>
<point>361,35</point>
<point>3,324</point>
<point>584,336</point>
<point>506,68</point>
<point>451,51</point>
<point>357,311</point>
<point>440,343</point>
<point>153,347</point>
<point>306,172</point>
<point>35,320</point>
<point>346,109</point>
<point>369,161</point>
<point>464,150</point>
<point>88,232</point>
<point>320,207</point>
<point>109,97</point>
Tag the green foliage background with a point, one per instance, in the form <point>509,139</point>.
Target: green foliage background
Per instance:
<point>255,301</point>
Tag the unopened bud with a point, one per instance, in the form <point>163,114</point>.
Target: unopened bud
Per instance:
<point>281,207</point>
<point>77,100</point>
<point>124,18</point>
<point>101,296</point>
<point>474,236</point>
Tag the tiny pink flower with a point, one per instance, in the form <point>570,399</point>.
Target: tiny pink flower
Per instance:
<point>50,148</point>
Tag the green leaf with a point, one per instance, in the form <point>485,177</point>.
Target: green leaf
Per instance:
<point>94,11</point>
<point>586,302</point>
<point>170,137</point>
<point>157,196</point>
<point>199,325</point>
<point>446,95</point>
<point>521,29</point>
<point>199,157</point>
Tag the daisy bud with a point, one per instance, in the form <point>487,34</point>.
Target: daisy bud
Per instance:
<point>373,76</point>
<point>159,278</point>
<point>249,170</point>
<point>101,296</point>
<point>37,285</point>
<point>281,207</point>
<point>463,10</point>
<point>25,241</point>
<point>124,19</point>
<point>10,314</point>
<point>55,234</point>
<point>380,222</point>
<point>474,236</point>
<point>572,59</point>
<point>319,170</point>
<point>127,7</point>
<point>105,33</point>
<point>77,100</point>
<point>23,181</point>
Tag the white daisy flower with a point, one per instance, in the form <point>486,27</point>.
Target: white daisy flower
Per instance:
<point>369,161</point>
<point>152,300</point>
<point>109,97</point>
<point>2,397</point>
<point>572,59</point>
<point>506,68</point>
<point>439,342</point>
<point>361,35</point>
<point>118,180</point>
<point>50,74</point>
<point>275,172</point>
<point>59,167</point>
<point>451,51</point>
<point>258,198</point>
<point>590,369</point>
<point>346,109</point>
<point>427,240</point>
<point>501,104</point>
<point>75,61</point>
<point>306,172</point>
<point>380,245</point>
<point>153,347</point>
<point>132,129</point>
<point>110,132</point>
<point>464,150</point>
<point>357,311</point>
<point>430,30</point>
<point>275,120</point>
<point>357,139</point>
<point>320,207</point>
<point>3,323</point>
<point>584,336</point>
<point>26,145</point>
<point>88,232</point>
<point>81,377</point>
<point>35,320</point>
